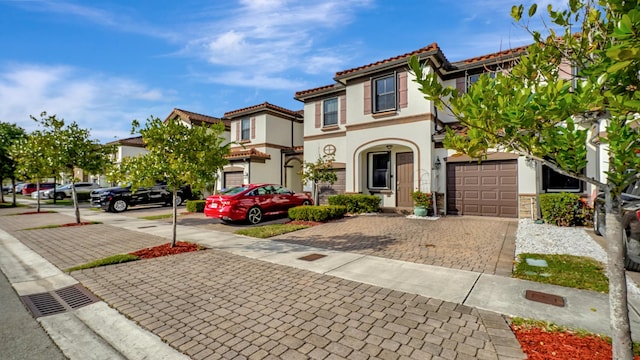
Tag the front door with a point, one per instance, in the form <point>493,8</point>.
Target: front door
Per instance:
<point>404,179</point>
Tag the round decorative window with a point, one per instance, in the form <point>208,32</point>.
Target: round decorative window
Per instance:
<point>329,149</point>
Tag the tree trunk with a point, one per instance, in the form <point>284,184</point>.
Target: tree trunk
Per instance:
<point>74,196</point>
<point>13,193</point>
<point>38,197</point>
<point>175,218</point>
<point>618,310</point>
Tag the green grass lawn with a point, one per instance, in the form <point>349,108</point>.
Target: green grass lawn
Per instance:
<point>267,231</point>
<point>578,272</point>
<point>6,205</point>
<point>157,217</point>
<point>114,259</point>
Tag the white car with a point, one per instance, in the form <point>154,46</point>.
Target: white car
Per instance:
<point>42,194</point>
<point>65,191</point>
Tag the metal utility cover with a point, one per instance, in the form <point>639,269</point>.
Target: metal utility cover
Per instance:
<point>58,301</point>
<point>312,257</point>
<point>544,298</point>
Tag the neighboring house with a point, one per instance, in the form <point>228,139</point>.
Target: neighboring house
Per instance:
<point>387,140</point>
<point>267,146</point>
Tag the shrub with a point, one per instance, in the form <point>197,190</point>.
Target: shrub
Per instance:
<point>83,196</point>
<point>565,209</point>
<point>317,213</point>
<point>195,205</point>
<point>422,198</point>
<point>356,203</point>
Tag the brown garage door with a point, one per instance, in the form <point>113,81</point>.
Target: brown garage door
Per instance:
<point>486,189</point>
<point>231,179</point>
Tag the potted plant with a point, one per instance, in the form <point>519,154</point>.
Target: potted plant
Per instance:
<point>421,202</point>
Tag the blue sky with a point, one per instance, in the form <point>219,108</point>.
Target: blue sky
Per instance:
<point>105,63</point>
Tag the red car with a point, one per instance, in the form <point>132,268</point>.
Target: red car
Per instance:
<point>30,187</point>
<point>252,202</point>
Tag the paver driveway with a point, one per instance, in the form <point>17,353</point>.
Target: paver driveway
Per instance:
<point>471,243</point>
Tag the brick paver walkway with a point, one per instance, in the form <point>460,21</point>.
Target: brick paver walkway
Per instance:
<point>469,243</point>
<point>215,305</point>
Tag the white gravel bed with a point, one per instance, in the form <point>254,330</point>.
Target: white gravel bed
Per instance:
<point>551,239</point>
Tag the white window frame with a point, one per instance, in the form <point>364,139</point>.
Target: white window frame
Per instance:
<point>246,121</point>
<point>334,114</point>
<point>391,93</point>
<point>549,189</point>
<point>370,170</point>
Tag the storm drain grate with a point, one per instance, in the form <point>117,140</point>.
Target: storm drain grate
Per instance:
<point>58,301</point>
<point>76,296</point>
<point>544,298</point>
<point>312,257</point>
<point>147,226</point>
<point>43,304</point>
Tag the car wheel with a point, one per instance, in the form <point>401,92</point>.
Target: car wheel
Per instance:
<point>254,215</point>
<point>178,200</point>
<point>59,196</point>
<point>632,247</point>
<point>119,205</point>
<point>306,202</point>
<point>598,222</point>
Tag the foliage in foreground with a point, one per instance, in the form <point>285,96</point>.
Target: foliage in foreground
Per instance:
<point>268,231</point>
<point>114,259</point>
<point>356,203</point>
<point>317,213</point>
<point>578,272</point>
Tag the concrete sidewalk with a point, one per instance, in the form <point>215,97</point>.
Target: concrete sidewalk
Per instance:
<point>30,273</point>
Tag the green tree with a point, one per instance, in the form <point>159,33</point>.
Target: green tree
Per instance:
<point>319,172</point>
<point>71,148</point>
<point>9,134</point>
<point>538,111</point>
<point>32,157</point>
<point>177,154</point>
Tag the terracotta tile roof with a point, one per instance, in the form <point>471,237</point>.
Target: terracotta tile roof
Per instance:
<point>433,47</point>
<point>260,107</point>
<point>295,149</point>
<point>132,141</point>
<point>195,118</point>
<point>497,55</point>
<point>318,89</point>
<point>248,153</point>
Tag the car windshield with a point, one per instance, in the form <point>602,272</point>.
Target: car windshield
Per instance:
<point>234,190</point>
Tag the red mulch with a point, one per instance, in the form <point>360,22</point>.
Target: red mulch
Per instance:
<point>77,224</point>
<point>539,344</point>
<point>166,249</point>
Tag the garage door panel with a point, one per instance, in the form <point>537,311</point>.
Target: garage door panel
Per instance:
<point>486,189</point>
<point>231,179</point>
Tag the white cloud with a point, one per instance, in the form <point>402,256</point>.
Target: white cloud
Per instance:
<point>98,102</point>
<point>255,80</point>
<point>266,38</point>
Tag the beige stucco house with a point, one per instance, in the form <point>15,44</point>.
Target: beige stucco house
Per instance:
<point>387,140</point>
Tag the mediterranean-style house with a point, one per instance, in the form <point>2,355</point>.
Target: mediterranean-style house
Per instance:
<point>266,145</point>
<point>386,140</point>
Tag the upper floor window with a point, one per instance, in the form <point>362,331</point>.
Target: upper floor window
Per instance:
<point>330,112</point>
<point>245,133</point>
<point>472,79</point>
<point>384,93</point>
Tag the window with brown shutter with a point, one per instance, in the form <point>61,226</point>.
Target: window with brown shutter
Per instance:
<point>367,98</point>
<point>238,130</point>
<point>403,101</point>
<point>461,85</point>
<point>253,127</point>
<point>343,109</point>
<point>318,114</point>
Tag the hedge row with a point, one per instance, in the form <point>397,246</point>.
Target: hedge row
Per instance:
<point>317,213</point>
<point>357,203</point>
<point>195,205</point>
<point>565,209</point>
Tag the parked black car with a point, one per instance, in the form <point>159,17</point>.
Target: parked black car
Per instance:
<point>630,223</point>
<point>118,199</point>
